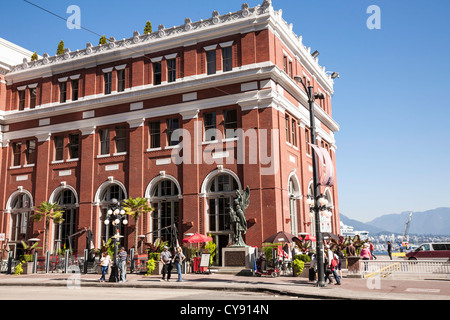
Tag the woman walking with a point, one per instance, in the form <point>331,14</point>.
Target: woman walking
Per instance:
<point>105,261</point>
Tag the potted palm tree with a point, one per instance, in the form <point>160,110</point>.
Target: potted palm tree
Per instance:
<point>48,212</point>
<point>135,207</point>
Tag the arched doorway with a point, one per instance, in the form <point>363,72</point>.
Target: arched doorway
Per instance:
<point>220,192</point>
<point>165,196</point>
<point>66,198</point>
<point>20,206</point>
<point>108,194</point>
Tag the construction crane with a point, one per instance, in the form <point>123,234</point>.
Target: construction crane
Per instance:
<point>405,233</point>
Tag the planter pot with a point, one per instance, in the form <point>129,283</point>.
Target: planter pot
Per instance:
<point>305,272</point>
<point>27,268</point>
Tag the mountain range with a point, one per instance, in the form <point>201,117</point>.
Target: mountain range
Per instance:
<point>430,222</point>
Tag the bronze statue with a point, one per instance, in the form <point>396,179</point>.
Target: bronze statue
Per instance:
<point>237,214</point>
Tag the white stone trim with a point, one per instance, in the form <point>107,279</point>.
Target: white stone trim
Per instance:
<point>121,67</point>
<point>210,48</point>
<point>226,44</point>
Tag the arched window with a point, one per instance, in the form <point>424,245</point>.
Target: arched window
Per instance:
<point>292,191</point>
<point>66,199</point>
<point>220,194</point>
<point>20,215</point>
<point>107,196</point>
<point>165,197</point>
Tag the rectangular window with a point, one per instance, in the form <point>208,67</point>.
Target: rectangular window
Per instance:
<point>62,92</point>
<point>294,132</point>
<point>172,125</point>
<point>230,123</point>
<point>31,151</point>
<point>104,141</point>
<point>59,148</point>
<point>211,61</point>
<point>21,99</point>
<point>108,82</point>
<point>307,140</point>
<point>227,58</point>
<point>121,139</point>
<point>32,98</point>
<point>75,87</point>
<point>285,64</point>
<point>120,80</point>
<point>155,135</point>
<point>74,146</point>
<point>156,73</point>
<point>288,137</point>
<point>171,70</point>
<point>209,120</point>
<point>290,68</point>
<point>17,151</point>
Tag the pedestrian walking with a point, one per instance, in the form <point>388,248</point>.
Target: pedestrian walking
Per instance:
<point>327,264</point>
<point>341,256</point>
<point>178,260</point>
<point>389,249</point>
<point>123,264</point>
<point>371,248</point>
<point>365,254</point>
<point>166,260</point>
<point>334,268</point>
<point>105,261</point>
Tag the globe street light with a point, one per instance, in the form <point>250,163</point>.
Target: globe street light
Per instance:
<point>115,215</point>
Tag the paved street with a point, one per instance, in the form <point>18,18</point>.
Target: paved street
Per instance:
<point>109,293</point>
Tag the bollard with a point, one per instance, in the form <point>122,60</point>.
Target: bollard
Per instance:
<point>10,258</point>
<point>85,266</point>
<point>66,261</point>
<point>47,261</point>
<point>35,258</point>
<point>131,260</point>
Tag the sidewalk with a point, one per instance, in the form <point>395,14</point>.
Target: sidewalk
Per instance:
<point>351,289</point>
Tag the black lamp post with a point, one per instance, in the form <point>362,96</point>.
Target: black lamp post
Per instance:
<point>115,215</point>
<point>319,243</point>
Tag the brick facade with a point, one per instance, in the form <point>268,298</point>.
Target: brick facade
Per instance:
<point>259,90</point>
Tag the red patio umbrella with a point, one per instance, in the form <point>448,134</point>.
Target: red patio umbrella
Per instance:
<point>197,238</point>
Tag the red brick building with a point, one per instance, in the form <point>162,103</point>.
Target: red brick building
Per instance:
<point>85,127</point>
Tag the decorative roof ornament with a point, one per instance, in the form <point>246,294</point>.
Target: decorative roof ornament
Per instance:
<point>161,31</point>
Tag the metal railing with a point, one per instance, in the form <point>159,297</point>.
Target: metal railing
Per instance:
<point>418,268</point>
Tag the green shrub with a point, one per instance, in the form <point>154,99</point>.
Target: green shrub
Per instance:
<point>298,265</point>
<point>303,257</point>
<point>151,265</point>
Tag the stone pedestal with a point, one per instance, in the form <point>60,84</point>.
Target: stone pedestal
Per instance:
<point>353,267</point>
<point>238,257</point>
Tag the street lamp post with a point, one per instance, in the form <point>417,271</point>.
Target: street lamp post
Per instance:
<point>117,215</point>
<point>319,243</point>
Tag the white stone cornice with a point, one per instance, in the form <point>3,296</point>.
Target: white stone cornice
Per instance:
<point>135,123</point>
<point>85,131</point>
<point>190,114</point>
<point>41,137</point>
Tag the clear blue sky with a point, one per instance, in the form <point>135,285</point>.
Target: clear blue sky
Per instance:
<point>392,100</point>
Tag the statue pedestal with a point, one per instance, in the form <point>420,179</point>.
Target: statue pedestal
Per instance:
<point>238,257</point>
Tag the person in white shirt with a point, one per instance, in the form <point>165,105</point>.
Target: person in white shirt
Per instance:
<point>105,261</point>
